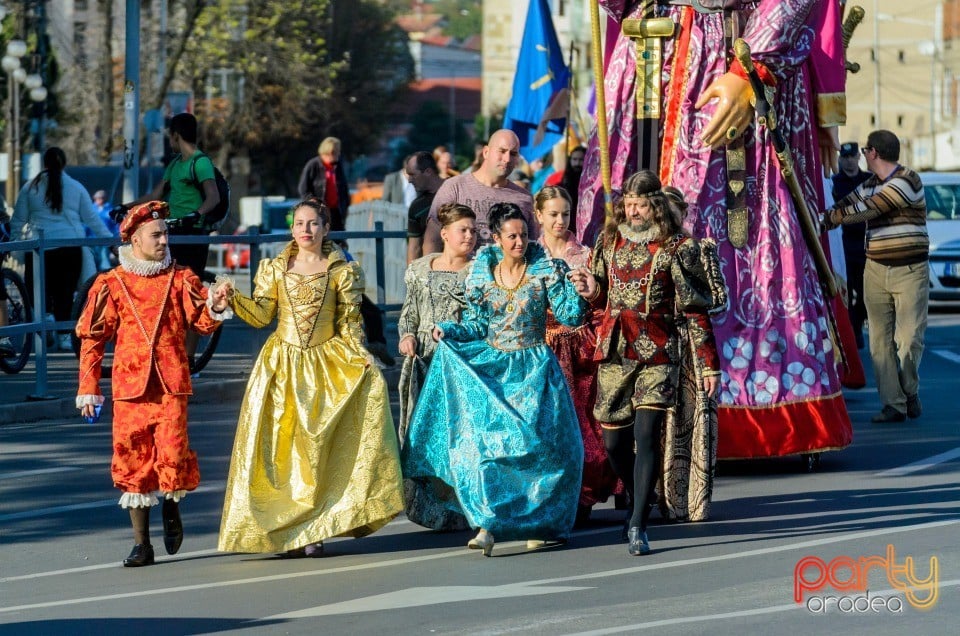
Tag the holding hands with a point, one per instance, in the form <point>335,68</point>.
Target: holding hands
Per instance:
<point>220,295</point>
<point>584,282</point>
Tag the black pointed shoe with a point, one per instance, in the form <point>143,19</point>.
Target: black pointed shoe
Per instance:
<point>914,408</point>
<point>638,542</point>
<point>141,555</point>
<point>888,415</point>
<point>172,527</point>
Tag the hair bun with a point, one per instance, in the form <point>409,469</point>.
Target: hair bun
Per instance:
<point>500,213</point>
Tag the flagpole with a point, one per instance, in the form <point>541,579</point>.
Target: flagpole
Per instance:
<point>566,135</point>
<point>601,109</point>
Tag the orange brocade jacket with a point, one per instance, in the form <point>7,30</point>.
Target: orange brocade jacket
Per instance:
<point>148,316</point>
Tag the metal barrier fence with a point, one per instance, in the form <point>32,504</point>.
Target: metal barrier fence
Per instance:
<point>34,249</point>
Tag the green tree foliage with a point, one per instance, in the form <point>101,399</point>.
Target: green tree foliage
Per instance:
<point>464,18</point>
<point>376,69</point>
<point>273,77</point>
<point>430,126</point>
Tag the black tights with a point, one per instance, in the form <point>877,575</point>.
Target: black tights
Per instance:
<point>637,471</point>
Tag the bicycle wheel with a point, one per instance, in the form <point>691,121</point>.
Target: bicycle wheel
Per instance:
<point>207,345</point>
<point>18,312</point>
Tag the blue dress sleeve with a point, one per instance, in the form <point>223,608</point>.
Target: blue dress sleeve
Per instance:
<point>569,308</point>
<point>476,315</point>
<point>473,324</point>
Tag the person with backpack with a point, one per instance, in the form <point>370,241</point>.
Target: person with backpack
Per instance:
<point>192,188</point>
<point>189,186</point>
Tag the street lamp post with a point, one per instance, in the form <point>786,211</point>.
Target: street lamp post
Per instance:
<point>16,49</point>
<point>17,75</point>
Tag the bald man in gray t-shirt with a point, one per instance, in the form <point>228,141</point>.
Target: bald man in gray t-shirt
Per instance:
<point>480,189</point>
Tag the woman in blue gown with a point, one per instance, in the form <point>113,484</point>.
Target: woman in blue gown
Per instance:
<point>495,420</point>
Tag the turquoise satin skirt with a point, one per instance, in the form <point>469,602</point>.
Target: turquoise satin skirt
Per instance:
<point>500,429</point>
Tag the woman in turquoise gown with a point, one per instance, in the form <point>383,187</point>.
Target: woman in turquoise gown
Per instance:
<point>494,420</point>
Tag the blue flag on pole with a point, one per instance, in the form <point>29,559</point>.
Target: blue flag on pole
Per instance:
<point>539,86</point>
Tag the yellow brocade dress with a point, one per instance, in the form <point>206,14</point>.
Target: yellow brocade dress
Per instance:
<point>315,454</point>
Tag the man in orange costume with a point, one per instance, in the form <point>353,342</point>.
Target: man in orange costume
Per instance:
<point>147,304</point>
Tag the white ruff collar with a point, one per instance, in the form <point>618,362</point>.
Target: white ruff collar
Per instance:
<point>648,235</point>
<point>139,266</point>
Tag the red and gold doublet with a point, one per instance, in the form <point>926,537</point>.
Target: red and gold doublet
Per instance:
<point>148,315</point>
<point>649,290</point>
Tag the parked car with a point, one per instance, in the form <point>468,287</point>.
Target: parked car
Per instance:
<point>942,190</point>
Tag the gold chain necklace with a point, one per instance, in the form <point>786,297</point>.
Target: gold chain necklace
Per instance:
<point>498,277</point>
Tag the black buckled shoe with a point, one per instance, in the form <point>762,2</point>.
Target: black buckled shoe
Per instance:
<point>172,526</point>
<point>141,555</point>
<point>914,408</point>
<point>888,415</point>
<point>638,542</point>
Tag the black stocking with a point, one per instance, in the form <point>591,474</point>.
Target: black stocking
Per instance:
<point>646,431</point>
<point>140,520</point>
<point>619,445</point>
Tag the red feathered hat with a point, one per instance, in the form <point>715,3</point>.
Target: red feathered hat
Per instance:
<point>140,214</point>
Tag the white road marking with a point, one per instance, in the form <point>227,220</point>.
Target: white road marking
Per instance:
<point>42,512</point>
<point>103,503</point>
<point>39,471</point>
<point>945,353</point>
<point>420,596</point>
<point>922,464</point>
<point>712,617</point>
<point>462,553</point>
<point>101,566</point>
<point>247,581</point>
<point>113,564</point>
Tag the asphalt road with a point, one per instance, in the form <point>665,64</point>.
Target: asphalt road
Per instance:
<point>62,538</point>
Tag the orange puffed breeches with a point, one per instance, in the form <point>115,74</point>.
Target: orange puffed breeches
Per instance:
<point>151,450</point>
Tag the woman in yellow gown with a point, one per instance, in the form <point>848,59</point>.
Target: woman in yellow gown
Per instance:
<point>315,454</point>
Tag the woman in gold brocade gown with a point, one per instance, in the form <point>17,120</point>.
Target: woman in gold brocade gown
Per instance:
<point>316,453</point>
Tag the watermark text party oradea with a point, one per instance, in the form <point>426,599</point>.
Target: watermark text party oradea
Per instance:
<point>814,578</point>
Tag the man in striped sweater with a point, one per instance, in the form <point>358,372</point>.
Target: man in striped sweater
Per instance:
<point>896,279</point>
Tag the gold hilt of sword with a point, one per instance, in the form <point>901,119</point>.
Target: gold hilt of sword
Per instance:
<point>742,50</point>
<point>850,23</point>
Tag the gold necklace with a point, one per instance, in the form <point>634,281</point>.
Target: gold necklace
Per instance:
<point>498,277</point>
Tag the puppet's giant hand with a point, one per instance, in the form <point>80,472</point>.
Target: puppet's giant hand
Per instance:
<point>734,111</point>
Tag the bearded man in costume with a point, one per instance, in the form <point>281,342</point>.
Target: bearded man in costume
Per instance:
<point>651,284</point>
<point>147,304</point>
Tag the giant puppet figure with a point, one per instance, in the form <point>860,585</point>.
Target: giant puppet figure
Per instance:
<point>780,392</point>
